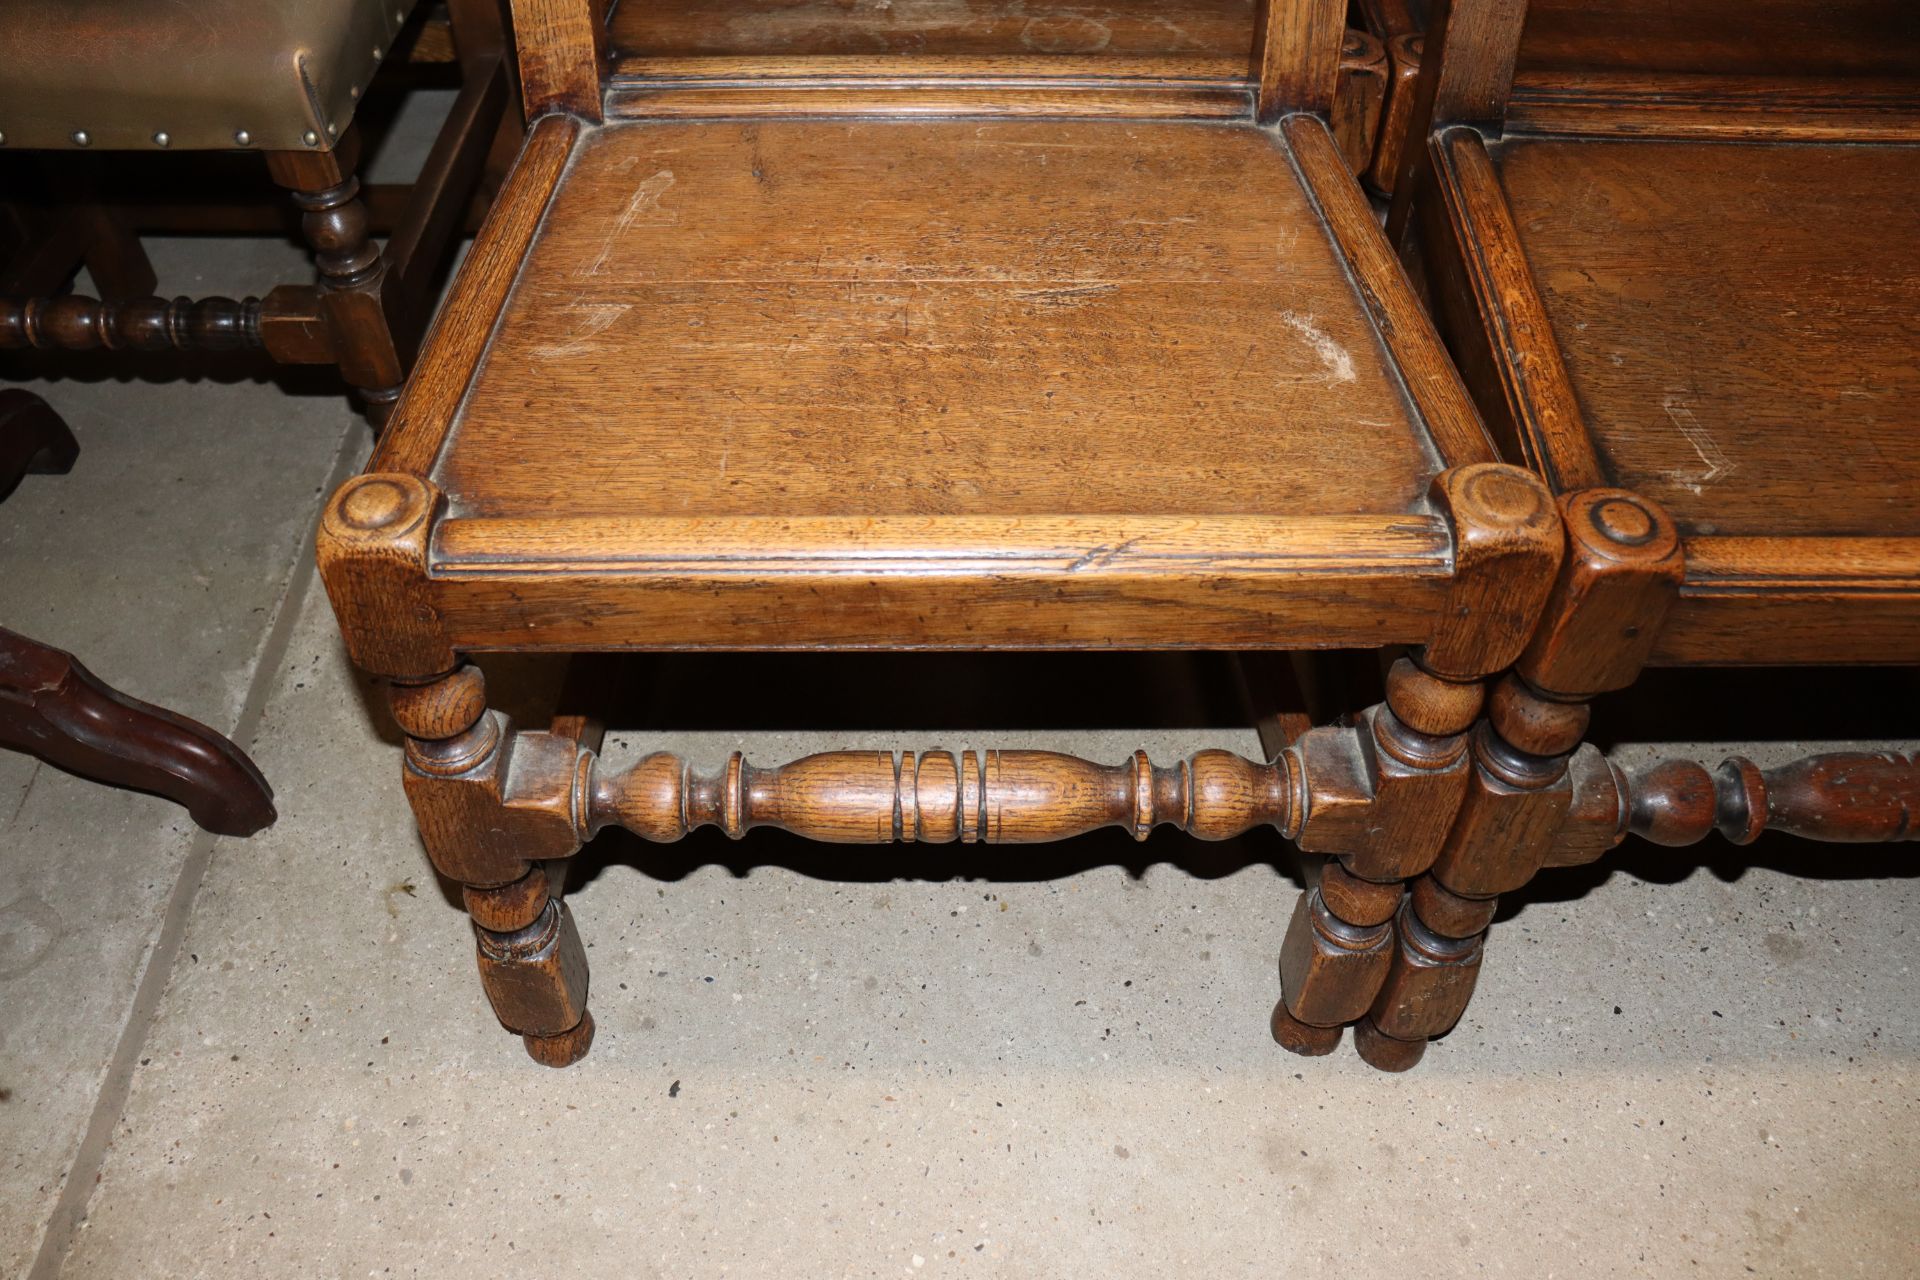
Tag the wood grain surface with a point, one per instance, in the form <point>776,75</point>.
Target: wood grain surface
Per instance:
<point>1734,37</point>
<point>1194,37</point>
<point>1738,323</point>
<point>458,338</point>
<point>823,319</point>
<point>1122,582</point>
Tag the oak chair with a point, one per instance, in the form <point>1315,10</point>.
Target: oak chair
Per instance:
<point>1676,252</point>
<point>280,80</point>
<point>805,327</point>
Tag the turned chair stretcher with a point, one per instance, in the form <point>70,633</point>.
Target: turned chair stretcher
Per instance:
<point>1360,948</point>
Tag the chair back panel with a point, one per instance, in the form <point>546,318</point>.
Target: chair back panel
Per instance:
<point>1826,38</point>
<point>1289,49</point>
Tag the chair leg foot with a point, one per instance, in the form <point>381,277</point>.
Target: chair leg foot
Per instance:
<point>54,708</point>
<point>1300,1037</point>
<point>480,832</point>
<point>1381,1051</point>
<point>564,1049</point>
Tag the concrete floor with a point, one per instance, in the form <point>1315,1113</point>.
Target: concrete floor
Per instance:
<point>271,1057</point>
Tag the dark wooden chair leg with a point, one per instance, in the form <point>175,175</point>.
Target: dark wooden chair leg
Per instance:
<point>32,439</point>
<point>357,292</point>
<point>54,708</point>
<point>1355,946</point>
<point>116,259</point>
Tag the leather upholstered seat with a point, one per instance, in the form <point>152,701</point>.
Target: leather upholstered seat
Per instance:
<point>130,74</point>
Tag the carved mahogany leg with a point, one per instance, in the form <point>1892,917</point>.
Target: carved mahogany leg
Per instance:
<point>1613,592</point>
<point>354,281</point>
<point>532,964</point>
<point>33,438</point>
<point>54,708</point>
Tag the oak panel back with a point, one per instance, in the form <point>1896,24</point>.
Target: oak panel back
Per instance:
<point>1186,37</point>
<point>1723,37</point>
<point>1285,52</point>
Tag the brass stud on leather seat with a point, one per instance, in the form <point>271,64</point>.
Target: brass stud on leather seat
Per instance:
<point>162,139</point>
<point>81,138</point>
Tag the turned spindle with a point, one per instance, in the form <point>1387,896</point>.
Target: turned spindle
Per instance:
<point>1851,797</point>
<point>937,797</point>
<point>73,322</point>
<point>374,332</point>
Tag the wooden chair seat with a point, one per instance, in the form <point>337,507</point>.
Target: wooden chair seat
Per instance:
<point>939,384</point>
<point>1686,263</point>
<point>1741,355</point>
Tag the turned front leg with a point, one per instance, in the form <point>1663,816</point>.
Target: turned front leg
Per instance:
<point>1517,795</point>
<point>484,798</point>
<point>1383,795</point>
<point>1615,585</point>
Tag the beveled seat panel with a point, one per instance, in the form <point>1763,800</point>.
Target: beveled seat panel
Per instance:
<point>1739,323</point>
<point>961,318</point>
